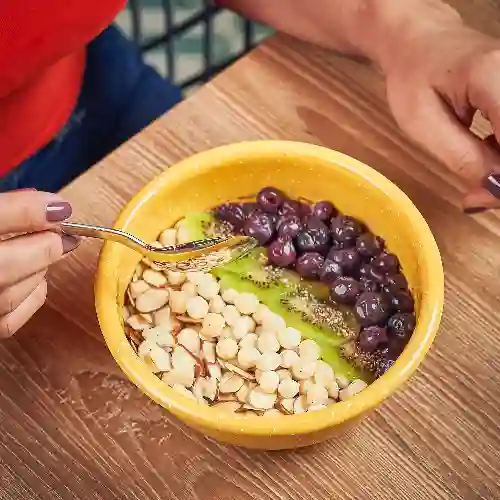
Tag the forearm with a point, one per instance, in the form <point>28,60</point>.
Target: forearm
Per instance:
<point>371,28</point>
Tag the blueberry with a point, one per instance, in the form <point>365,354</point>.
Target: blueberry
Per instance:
<point>290,207</point>
<point>323,210</point>
<point>371,308</point>
<point>270,199</point>
<point>309,265</point>
<point>232,213</point>
<point>315,237</point>
<point>289,225</point>
<point>345,230</point>
<point>386,263</point>
<point>368,245</point>
<point>345,290</point>
<point>347,259</point>
<point>261,227</point>
<point>330,272</point>
<point>371,337</point>
<point>402,302</point>
<point>395,283</point>
<point>281,252</point>
<point>401,325</point>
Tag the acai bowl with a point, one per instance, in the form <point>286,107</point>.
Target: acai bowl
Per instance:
<point>329,316</point>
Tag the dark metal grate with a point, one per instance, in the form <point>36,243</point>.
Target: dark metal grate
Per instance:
<point>204,17</point>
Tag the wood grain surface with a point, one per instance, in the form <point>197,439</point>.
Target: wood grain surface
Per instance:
<point>72,426</point>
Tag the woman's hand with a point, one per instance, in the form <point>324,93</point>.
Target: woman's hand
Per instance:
<point>435,83</point>
<point>24,259</point>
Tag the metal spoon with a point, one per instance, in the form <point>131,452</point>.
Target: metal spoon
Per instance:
<point>201,255</point>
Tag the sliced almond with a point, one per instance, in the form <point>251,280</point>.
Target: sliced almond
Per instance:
<point>154,278</point>
<point>152,300</point>
<point>227,397</point>
<point>184,377</point>
<point>200,368</point>
<point>199,365</point>
<point>285,406</point>
<point>305,385</point>
<point>138,287</point>
<point>242,373</point>
<point>355,387</point>
<point>342,382</point>
<point>165,338</point>
<point>145,348</point>
<point>250,409</point>
<point>214,370</point>
<point>262,400</point>
<point>229,406</point>
<point>148,317</point>
<point>137,322</point>
<point>161,358</point>
<point>168,237</point>
<point>210,389</point>
<point>208,351</point>
<point>150,364</point>
<point>230,384</point>
<point>162,316</point>
<point>189,339</point>
<point>198,388</point>
<point>179,223</point>
<point>243,393</point>
<point>283,374</point>
<point>182,358</point>
<point>133,335</point>
<point>187,319</point>
<point>300,405</point>
<point>185,392</point>
<point>131,299</point>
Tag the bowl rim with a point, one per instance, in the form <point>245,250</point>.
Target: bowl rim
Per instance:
<point>211,418</point>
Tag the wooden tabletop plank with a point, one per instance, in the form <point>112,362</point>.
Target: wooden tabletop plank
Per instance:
<point>73,427</point>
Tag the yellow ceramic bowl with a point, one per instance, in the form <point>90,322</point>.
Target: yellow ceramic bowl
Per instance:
<point>316,173</point>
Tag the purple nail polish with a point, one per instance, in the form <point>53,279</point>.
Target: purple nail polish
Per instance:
<point>474,210</point>
<point>58,211</point>
<point>69,243</point>
<point>492,184</point>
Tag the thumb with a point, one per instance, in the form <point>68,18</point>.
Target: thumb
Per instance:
<point>31,211</point>
<point>435,127</point>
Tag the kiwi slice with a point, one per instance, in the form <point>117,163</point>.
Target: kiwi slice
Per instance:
<point>253,267</point>
<point>197,224</point>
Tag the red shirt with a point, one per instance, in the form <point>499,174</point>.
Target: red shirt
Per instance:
<point>42,60</point>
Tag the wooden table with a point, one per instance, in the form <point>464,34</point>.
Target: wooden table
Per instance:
<point>71,425</point>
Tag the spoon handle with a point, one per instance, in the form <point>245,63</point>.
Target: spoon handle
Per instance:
<point>104,233</point>
<point>231,246</point>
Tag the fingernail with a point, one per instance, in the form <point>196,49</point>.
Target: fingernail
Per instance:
<point>474,210</point>
<point>492,184</point>
<point>69,243</point>
<point>58,211</point>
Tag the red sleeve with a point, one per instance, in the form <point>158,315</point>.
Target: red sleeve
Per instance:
<point>36,33</point>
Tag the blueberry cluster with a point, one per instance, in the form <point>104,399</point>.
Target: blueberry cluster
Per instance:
<point>322,244</point>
